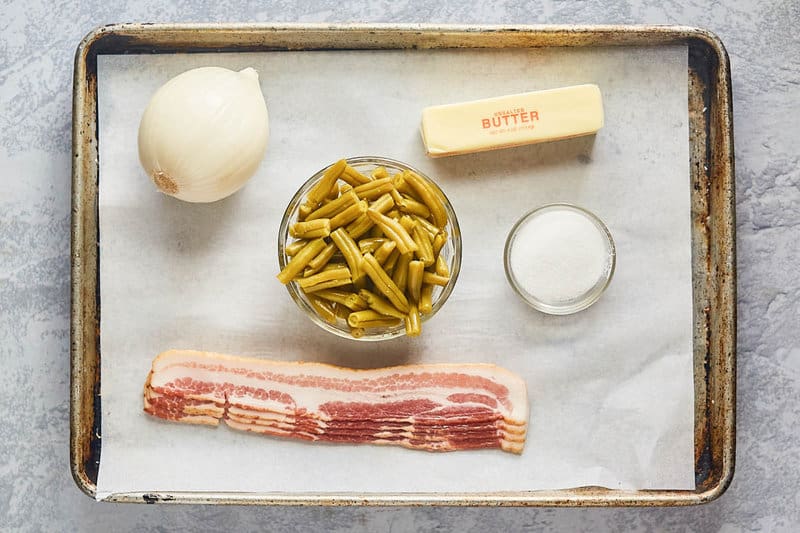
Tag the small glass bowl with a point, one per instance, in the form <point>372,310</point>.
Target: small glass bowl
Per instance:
<point>580,302</point>
<point>451,251</point>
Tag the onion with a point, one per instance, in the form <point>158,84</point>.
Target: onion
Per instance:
<point>204,133</point>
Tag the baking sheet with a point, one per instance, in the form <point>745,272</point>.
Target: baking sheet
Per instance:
<point>611,388</point>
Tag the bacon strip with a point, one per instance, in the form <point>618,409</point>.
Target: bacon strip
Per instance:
<point>443,407</point>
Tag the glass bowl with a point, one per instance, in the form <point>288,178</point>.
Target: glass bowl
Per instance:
<point>567,305</point>
<point>451,251</point>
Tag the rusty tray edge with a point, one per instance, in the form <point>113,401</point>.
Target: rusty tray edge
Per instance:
<point>716,362</point>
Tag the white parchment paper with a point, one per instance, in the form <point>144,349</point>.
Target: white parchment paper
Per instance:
<point>611,388</point>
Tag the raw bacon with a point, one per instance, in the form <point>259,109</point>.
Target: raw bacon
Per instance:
<point>436,407</point>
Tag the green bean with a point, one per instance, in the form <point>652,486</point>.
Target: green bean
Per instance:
<point>412,321</point>
<point>428,196</point>
<point>400,274</point>
<point>323,309</point>
<point>350,251</point>
<point>349,214</point>
<point>426,299</point>
<point>374,189</point>
<point>292,249</point>
<point>382,253</point>
<point>327,279</point>
<point>380,305</point>
<point>353,177</point>
<point>414,282</point>
<point>383,283</point>
<point>370,244</point>
<point>394,231</point>
<point>350,300</point>
<point>435,279</point>
<point>319,191</point>
<point>424,247</point>
<point>334,207</point>
<point>370,319</point>
<point>441,267</point>
<point>320,227</point>
<point>299,261</point>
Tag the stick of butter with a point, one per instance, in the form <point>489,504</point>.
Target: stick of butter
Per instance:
<point>512,120</point>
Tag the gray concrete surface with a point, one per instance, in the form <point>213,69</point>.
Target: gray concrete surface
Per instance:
<point>37,42</point>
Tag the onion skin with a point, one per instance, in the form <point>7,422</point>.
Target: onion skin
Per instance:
<point>204,133</point>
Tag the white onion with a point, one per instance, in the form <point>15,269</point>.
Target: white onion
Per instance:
<point>204,133</point>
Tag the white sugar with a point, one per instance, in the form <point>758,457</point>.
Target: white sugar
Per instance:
<point>558,255</point>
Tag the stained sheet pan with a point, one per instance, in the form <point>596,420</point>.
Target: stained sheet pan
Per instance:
<point>713,239</point>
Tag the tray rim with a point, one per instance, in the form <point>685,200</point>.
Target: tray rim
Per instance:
<point>84,399</point>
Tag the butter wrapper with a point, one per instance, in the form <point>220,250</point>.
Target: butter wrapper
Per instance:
<point>512,120</point>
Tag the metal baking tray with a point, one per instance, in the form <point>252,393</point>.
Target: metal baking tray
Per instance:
<point>713,237</point>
